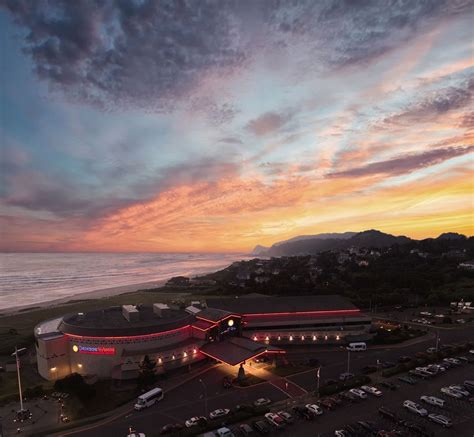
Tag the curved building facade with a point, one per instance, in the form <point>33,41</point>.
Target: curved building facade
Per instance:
<point>112,342</point>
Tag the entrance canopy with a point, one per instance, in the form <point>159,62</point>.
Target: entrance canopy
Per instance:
<point>236,350</point>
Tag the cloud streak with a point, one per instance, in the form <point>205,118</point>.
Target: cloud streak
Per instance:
<point>404,164</point>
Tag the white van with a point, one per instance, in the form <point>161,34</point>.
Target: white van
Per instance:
<point>149,398</point>
<point>355,347</point>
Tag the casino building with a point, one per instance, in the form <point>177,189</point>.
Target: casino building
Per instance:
<point>112,342</point>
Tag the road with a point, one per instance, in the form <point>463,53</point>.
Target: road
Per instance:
<point>188,400</point>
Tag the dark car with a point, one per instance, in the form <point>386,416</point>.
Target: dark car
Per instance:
<point>388,414</point>
<point>388,364</point>
<point>326,403</point>
<point>389,385</point>
<point>407,380</point>
<point>246,429</point>
<point>368,426</point>
<point>171,427</point>
<point>404,359</point>
<point>369,369</point>
<point>302,413</point>
<point>261,427</point>
<point>336,400</point>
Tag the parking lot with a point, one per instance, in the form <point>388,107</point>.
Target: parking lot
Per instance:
<point>460,411</point>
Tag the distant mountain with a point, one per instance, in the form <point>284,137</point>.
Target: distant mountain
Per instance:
<point>335,235</point>
<point>259,250</point>
<point>318,243</point>
<point>451,236</point>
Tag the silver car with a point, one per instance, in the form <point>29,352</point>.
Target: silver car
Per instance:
<point>442,420</point>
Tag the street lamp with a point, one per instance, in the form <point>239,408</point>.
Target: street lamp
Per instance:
<point>205,396</point>
<point>18,374</point>
<point>318,376</point>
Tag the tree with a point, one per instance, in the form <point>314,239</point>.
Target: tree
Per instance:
<point>147,374</point>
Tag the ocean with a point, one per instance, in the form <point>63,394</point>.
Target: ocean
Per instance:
<point>33,278</point>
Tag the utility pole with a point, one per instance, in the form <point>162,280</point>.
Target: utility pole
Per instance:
<point>205,396</point>
<point>18,374</point>
<point>318,376</point>
<point>437,340</point>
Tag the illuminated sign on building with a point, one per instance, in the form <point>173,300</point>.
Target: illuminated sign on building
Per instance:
<point>94,350</point>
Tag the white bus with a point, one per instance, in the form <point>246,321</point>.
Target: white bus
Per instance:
<point>149,398</point>
<point>354,347</point>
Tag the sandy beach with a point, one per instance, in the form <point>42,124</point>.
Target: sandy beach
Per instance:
<point>90,295</point>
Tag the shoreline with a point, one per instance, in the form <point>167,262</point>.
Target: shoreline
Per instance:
<point>88,295</point>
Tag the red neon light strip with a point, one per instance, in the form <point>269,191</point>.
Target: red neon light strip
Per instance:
<point>203,329</point>
<point>303,313</point>
<point>220,320</point>
<point>158,334</point>
<point>254,356</point>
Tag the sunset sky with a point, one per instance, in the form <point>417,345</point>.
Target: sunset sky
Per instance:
<point>219,125</point>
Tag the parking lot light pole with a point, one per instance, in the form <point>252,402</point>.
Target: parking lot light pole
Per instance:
<point>318,372</point>
<point>348,360</point>
<point>437,340</point>
<point>18,373</point>
<point>205,396</point>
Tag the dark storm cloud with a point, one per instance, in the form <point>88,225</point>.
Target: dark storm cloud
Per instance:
<point>347,32</point>
<point>141,53</point>
<point>151,54</point>
<point>405,164</point>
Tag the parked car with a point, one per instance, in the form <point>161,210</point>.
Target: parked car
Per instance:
<point>404,359</point>
<point>326,403</point>
<point>217,414</point>
<point>459,389</point>
<point>451,393</point>
<point>469,384</point>
<point>432,400</point>
<point>287,417</point>
<point>407,380</point>
<point>431,350</point>
<point>359,393</point>
<point>372,390</point>
<point>302,412</point>
<point>369,369</point>
<point>195,421</point>
<point>389,414</point>
<point>246,430</point>
<point>261,427</point>
<point>171,427</point>
<point>452,361</point>
<point>275,420</point>
<point>415,408</point>
<point>368,426</point>
<point>315,409</point>
<point>345,376</point>
<point>348,396</point>
<point>388,364</point>
<point>388,384</point>
<point>442,420</point>
<point>261,402</point>
<point>342,433</point>
<point>335,400</point>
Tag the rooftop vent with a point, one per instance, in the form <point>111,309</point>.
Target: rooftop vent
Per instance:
<point>161,309</point>
<point>131,313</point>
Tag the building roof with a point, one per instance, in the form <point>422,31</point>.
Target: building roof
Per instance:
<point>110,322</point>
<point>280,304</point>
<point>302,320</point>
<point>203,325</point>
<point>236,350</point>
<point>213,314</point>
